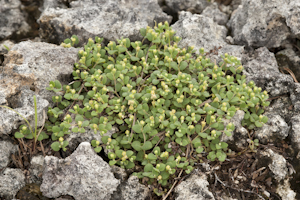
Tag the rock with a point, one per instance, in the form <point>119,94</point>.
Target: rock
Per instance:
<point>6,149</point>
<point>214,13</point>
<point>295,134</point>
<point>4,43</point>
<point>83,175</point>
<point>194,188</point>
<point>131,190</point>
<point>35,64</point>
<point>11,181</point>
<point>196,30</point>
<point>75,139</point>
<point>23,103</point>
<point>276,163</point>
<point>110,19</point>
<point>289,59</point>
<point>36,169</point>
<point>295,98</point>
<point>31,66</point>
<point>238,139</point>
<point>12,20</point>
<point>275,130</point>
<point>262,68</point>
<point>285,192</point>
<point>119,173</point>
<point>265,23</point>
<point>194,6</point>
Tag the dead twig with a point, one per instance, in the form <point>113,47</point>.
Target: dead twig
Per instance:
<point>165,197</point>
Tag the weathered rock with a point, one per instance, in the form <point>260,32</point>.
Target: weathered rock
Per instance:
<point>35,64</point>
<point>31,66</point>
<point>238,139</point>
<point>12,19</point>
<point>275,130</point>
<point>6,149</point>
<point>295,98</point>
<point>11,181</point>
<point>119,173</point>
<point>196,30</point>
<point>23,103</point>
<point>108,19</point>
<point>75,139</point>
<point>287,58</point>
<point>265,22</point>
<point>214,13</point>
<point>131,190</point>
<point>36,169</point>
<point>279,171</point>
<point>262,68</point>
<point>194,188</point>
<point>285,192</point>
<point>83,175</point>
<point>295,134</point>
<point>7,43</point>
<point>194,6</point>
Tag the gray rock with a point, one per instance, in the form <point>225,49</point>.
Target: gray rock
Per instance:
<point>262,68</point>
<point>238,139</point>
<point>36,169</point>
<point>265,22</point>
<point>196,30</point>
<point>108,19</point>
<point>289,59</point>
<point>194,188</point>
<point>194,6</point>
<point>12,19</point>
<point>119,173</point>
<point>131,190</point>
<point>11,181</point>
<point>275,130</point>
<point>276,163</point>
<point>83,175</point>
<point>294,133</point>
<point>295,98</point>
<point>35,64</point>
<point>6,149</point>
<point>214,13</point>
<point>75,139</point>
<point>285,192</point>
<point>22,103</point>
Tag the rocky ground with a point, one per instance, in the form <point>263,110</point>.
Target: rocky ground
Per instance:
<point>264,34</point>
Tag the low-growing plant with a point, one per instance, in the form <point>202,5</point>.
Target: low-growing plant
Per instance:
<point>170,104</point>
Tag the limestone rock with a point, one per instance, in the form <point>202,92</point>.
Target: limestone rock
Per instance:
<point>108,19</point>
<point>83,175</point>
<point>6,149</point>
<point>11,181</point>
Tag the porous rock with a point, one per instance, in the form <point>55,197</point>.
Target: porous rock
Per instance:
<point>108,19</point>
<point>31,66</point>
<point>238,139</point>
<point>131,190</point>
<point>11,181</point>
<point>196,30</point>
<point>6,149</point>
<point>36,169</point>
<point>214,13</point>
<point>75,139</point>
<point>295,134</point>
<point>23,103</point>
<point>12,19</point>
<point>276,163</point>
<point>285,192</point>
<point>275,130</point>
<point>265,22</point>
<point>83,175</point>
<point>261,67</point>
<point>194,188</point>
<point>194,6</point>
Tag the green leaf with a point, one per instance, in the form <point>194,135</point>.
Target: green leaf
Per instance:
<point>98,149</point>
<point>183,65</point>
<point>137,128</point>
<point>143,32</point>
<point>258,124</point>
<point>18,135</point>
<point>147,146</point>
<point>55,146</point>
<point>148,168</point>
<point>136,145</point>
